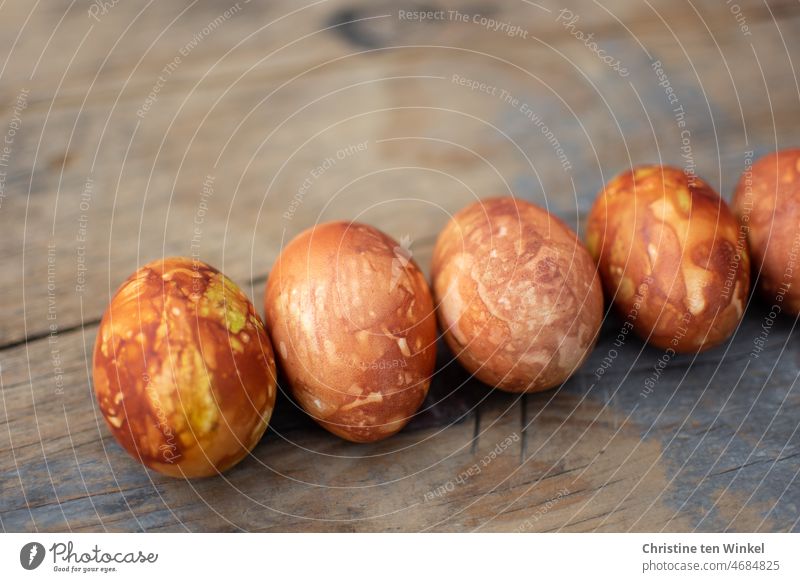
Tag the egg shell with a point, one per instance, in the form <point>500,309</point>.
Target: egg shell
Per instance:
<point>671,257</point>
<point>351,317</point>
<point>517,294</point>
<point>767,204</point>
<point>183,369</point>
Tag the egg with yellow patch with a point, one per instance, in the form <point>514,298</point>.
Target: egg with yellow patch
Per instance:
<point>672,257</point>
<point>183,369</point>
<point>351,317</point>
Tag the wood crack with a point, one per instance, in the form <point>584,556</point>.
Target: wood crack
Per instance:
<point>41,335</point>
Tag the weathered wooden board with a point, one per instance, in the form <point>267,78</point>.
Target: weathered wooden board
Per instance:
<point>131,127</point>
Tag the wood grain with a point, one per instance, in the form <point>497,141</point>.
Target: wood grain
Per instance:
<point>260,98</point>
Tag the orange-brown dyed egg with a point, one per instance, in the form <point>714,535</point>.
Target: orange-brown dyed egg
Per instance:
<point>351,318</point>
<point>671,257</point>
<point>183,369</point>
<point>767,203</point>
<point>518,297</point>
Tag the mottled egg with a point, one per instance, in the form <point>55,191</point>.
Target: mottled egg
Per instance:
<point>767,203</point>
<point>671,257</point>
<point>184,373</point>
<point>517,295</point>
<point>351,319</point>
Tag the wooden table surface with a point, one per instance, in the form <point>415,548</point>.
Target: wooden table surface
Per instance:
<point>126,125</point>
